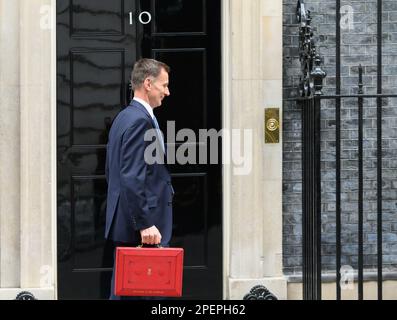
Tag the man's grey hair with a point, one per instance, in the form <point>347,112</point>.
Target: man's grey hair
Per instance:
<point>146,68</point>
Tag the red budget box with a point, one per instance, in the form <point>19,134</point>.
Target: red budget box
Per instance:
<point>148,271</point>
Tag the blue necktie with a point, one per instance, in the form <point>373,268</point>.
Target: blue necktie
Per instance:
<point>159,133</point>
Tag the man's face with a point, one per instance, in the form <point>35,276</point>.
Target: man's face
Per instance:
<point>158,89</point>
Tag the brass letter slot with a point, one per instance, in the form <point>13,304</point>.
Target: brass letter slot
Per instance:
<point>272,125</point>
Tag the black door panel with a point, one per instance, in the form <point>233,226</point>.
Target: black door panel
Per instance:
<point>179,16</point>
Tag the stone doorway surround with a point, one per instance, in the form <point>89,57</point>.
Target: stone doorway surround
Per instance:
<point>28,148</point>
<point>252,81</point>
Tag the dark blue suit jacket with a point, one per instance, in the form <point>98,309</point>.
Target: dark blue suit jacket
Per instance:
<point>139,194</point>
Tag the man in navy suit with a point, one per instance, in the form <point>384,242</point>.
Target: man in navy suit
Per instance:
<point>139,199</point>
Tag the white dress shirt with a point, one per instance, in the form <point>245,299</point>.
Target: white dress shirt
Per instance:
<point>150,110</point>
<point>146,105</point>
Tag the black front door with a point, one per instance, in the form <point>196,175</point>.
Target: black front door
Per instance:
<point>97,45</point>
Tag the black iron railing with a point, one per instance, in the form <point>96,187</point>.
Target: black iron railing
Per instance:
<point>310,99</point>
<point>310,90</point>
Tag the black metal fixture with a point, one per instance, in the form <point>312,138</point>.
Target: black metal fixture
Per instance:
<point>317,74</point>
<point>25,295</point>
<point>311,83</point>
<point>259,292</point>
<point>312,75</point>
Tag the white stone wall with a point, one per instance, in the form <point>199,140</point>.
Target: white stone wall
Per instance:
<point>370,289</point>
<point>9,145</point>
<point>27,144</point>
<point>252,54</point>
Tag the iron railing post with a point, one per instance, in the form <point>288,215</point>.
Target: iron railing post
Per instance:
<point>360,186</point>
<point>310,89</point>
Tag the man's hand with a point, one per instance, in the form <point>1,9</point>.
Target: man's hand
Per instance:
<point>151,236</point>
